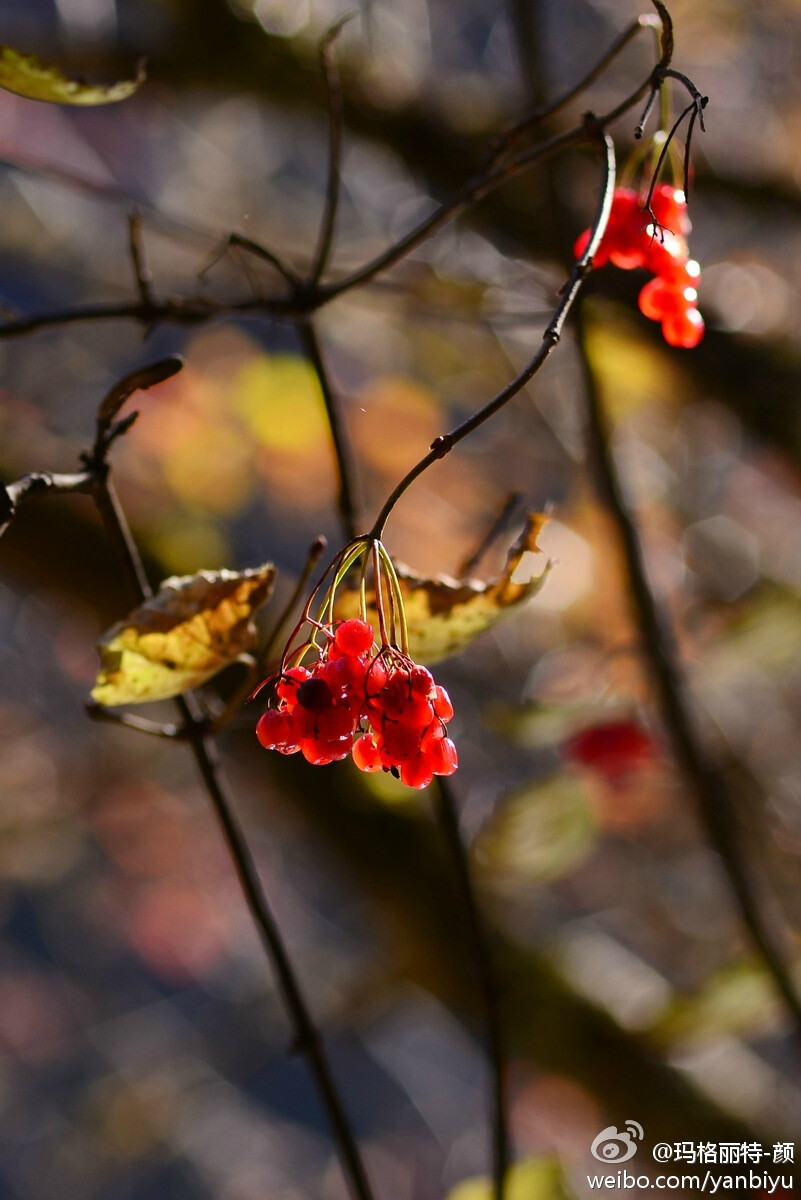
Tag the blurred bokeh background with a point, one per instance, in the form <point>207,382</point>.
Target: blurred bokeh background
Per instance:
<point>144,1053</point>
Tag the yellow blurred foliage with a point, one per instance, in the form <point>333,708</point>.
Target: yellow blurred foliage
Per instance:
<point>279,399</point>
<point>533,1179</point>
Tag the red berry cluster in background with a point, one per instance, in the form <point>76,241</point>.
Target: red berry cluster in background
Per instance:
<point>612,748</point>
<point>355,698</point>
<point>632,240</point>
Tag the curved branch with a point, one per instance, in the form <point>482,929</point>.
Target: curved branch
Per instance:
<point>444,444</point>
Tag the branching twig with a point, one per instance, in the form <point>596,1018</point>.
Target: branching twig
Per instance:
<point>264,252</point>
<point>305,299</point>
<point>193,728</point>
<point>513,133</point>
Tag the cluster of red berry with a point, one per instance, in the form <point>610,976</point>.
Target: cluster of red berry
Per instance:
<point>632,240</point>
<point>356,698</point>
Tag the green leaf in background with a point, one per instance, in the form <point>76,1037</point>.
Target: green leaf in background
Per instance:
<point>736,1000</point>
<point>26,76</point>
<point>538,833</point>
<point>534,1179</point>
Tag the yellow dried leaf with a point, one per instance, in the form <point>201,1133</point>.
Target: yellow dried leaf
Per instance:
<point>445,615</point>
<point>193,627</point>
<point>25,75</point>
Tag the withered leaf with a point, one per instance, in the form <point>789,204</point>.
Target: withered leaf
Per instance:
<point>193,627</point>
<point>445,615</point>
<point>25,75</point>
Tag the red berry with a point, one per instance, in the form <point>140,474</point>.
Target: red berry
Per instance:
<point>685,328</point>
<point>433,733</point>
<point>354,637</point>
<point>670,209</point>
<point>365,754</point>
<point>442,704</point>
<point>399,742</point>
<point>289,683</point>
<point>274,729</point>
<point>612,748</point>
<point>375,677</point>
<point>314,694</point>
<point>320,752</point>
<point>443,757</point>
<point>662,250</point>
<point>334,722</point>
<point>393,697</point>
<point>421,682</point>
<point>416,713</point>
<point>417,773</point>
<point>660,299</point>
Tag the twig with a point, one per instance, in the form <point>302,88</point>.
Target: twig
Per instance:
<point>346,499</point>
<point>98,712</point>
<point>514,132</point>
<point>95,481</point>
<point>448,816</point>
<point>305,300</point>
<point>261,251</point>
<point>307,1038</point>
<point>709,791</point>
<point>445,443</point>
<point>474,558</point>
<point>333,93</point>
<point>142,275</point>
<point>181,312</point>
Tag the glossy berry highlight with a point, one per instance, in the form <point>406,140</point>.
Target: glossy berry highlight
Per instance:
<point>655,242</point>
<point>354,697</point>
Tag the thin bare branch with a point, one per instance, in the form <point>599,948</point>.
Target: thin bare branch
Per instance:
<point>513,133</point>
<point>474,558</point>
<point>346,499</point>
<point>448,816</point>
<point>142,276</point>
<point>706,784</point>
<point>333,93</point>
<point>98,712</point>
<point>444,444</point>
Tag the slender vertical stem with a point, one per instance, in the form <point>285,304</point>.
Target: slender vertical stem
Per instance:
<point>346,500</point>
<point>307,1038</point>
<point>711,795</point>
<point>141,271</point>
<point>333,93</point>
<point>447,813</point>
